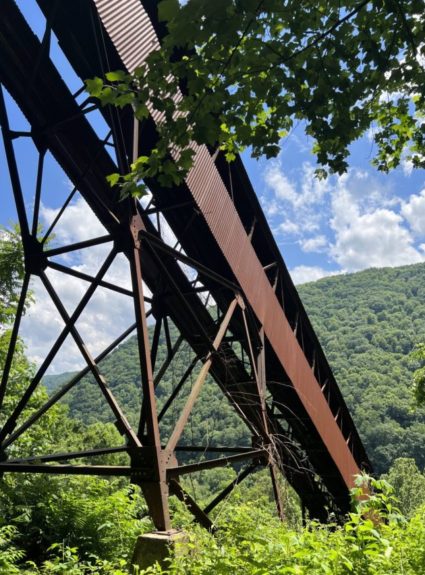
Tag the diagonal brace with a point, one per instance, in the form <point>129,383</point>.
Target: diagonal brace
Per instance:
<point>178,430</point>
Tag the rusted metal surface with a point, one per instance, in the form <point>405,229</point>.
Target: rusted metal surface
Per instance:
<point>129,24</point>
<point>226,241</point>
<point>156,491</point>
<point>67,146</point>
<point>216,206</point>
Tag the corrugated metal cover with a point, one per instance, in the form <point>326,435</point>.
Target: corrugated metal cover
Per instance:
<point>133,35</point>
<point>130,29</point>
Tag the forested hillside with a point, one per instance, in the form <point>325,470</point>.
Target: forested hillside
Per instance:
<point>367,322</point>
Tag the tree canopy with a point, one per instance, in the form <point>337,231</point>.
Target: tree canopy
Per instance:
<point>251,70</point>
<point>419,374</point>
<point>11,273</point>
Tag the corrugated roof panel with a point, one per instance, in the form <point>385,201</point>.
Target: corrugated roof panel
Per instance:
<point>130,28</point>
<point>218,210</point>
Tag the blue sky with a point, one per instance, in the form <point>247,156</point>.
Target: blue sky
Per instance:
<point>363,219</point>
<point>344,224</point>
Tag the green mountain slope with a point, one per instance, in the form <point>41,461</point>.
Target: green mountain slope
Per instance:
<point>367,323</point>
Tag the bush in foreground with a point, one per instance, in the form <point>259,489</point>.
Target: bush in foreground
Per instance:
<point>375,540</point>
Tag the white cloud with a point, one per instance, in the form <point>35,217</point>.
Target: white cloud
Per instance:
<point>289,227</point>
<point>414,212</point>
<point>370,133</point>
<point>375,238</point>
<point>365,189</point>
<point>357,219</point>
<point>77,223</point>
<point>313,190</point>
<point>106,316</point>
<point>344,208</point>
<point>310,190</point>
<point>166,232</point>
<point>271,208</point>
<point>303,274</point>
<point>315,244</point>
<point>407,166</point>
<point>280,184</point>
<point>300,201</point>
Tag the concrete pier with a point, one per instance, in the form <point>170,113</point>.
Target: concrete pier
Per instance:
<point>157,547</point>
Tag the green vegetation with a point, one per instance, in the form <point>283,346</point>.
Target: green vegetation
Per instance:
<point>80,526</point>
<point>419,374</point>
<point>375,540</point>
<point>408,483</point>
<point>368,323</point>
<point>11,273</point>
<point>251,71</point>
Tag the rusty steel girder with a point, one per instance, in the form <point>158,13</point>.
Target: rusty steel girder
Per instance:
<point>299,423</point>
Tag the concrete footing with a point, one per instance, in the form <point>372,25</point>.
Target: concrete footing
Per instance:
<point>157,547</point>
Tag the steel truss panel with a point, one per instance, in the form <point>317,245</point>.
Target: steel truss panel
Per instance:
<point>304,429</point>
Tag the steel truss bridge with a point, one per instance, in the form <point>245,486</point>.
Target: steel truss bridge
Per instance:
<point>256,342</point>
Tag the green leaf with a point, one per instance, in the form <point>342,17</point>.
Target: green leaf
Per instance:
<point>141,111</point>
<point>94,86</point>
<point>116,76</point>
<point>141,161</point>
<point>186,159</point>
<point>168,9</point>
<point>113,179</point>
<point>124,100</point>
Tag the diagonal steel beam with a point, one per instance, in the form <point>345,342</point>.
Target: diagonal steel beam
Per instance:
<point>155,341</point>
<point>178,388</point>
<point>67,387</point>
<point>78,246</point>
<point>179,427</point>
<point>88,278</point>
<point>168,360</point>
<point>37,198</point>
<point>100,380</point>
<point>202,269</point>
<point>229,488</point>
<point>11,422</point>
<point>13,171</point>
<point>13,338</point>
<point>200,516</point>
<point>89,168</point>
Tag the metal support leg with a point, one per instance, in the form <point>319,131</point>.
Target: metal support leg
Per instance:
<point>156,491</point>
<point>261,369</point>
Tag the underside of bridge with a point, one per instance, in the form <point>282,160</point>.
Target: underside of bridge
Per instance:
<point>200,256</point>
